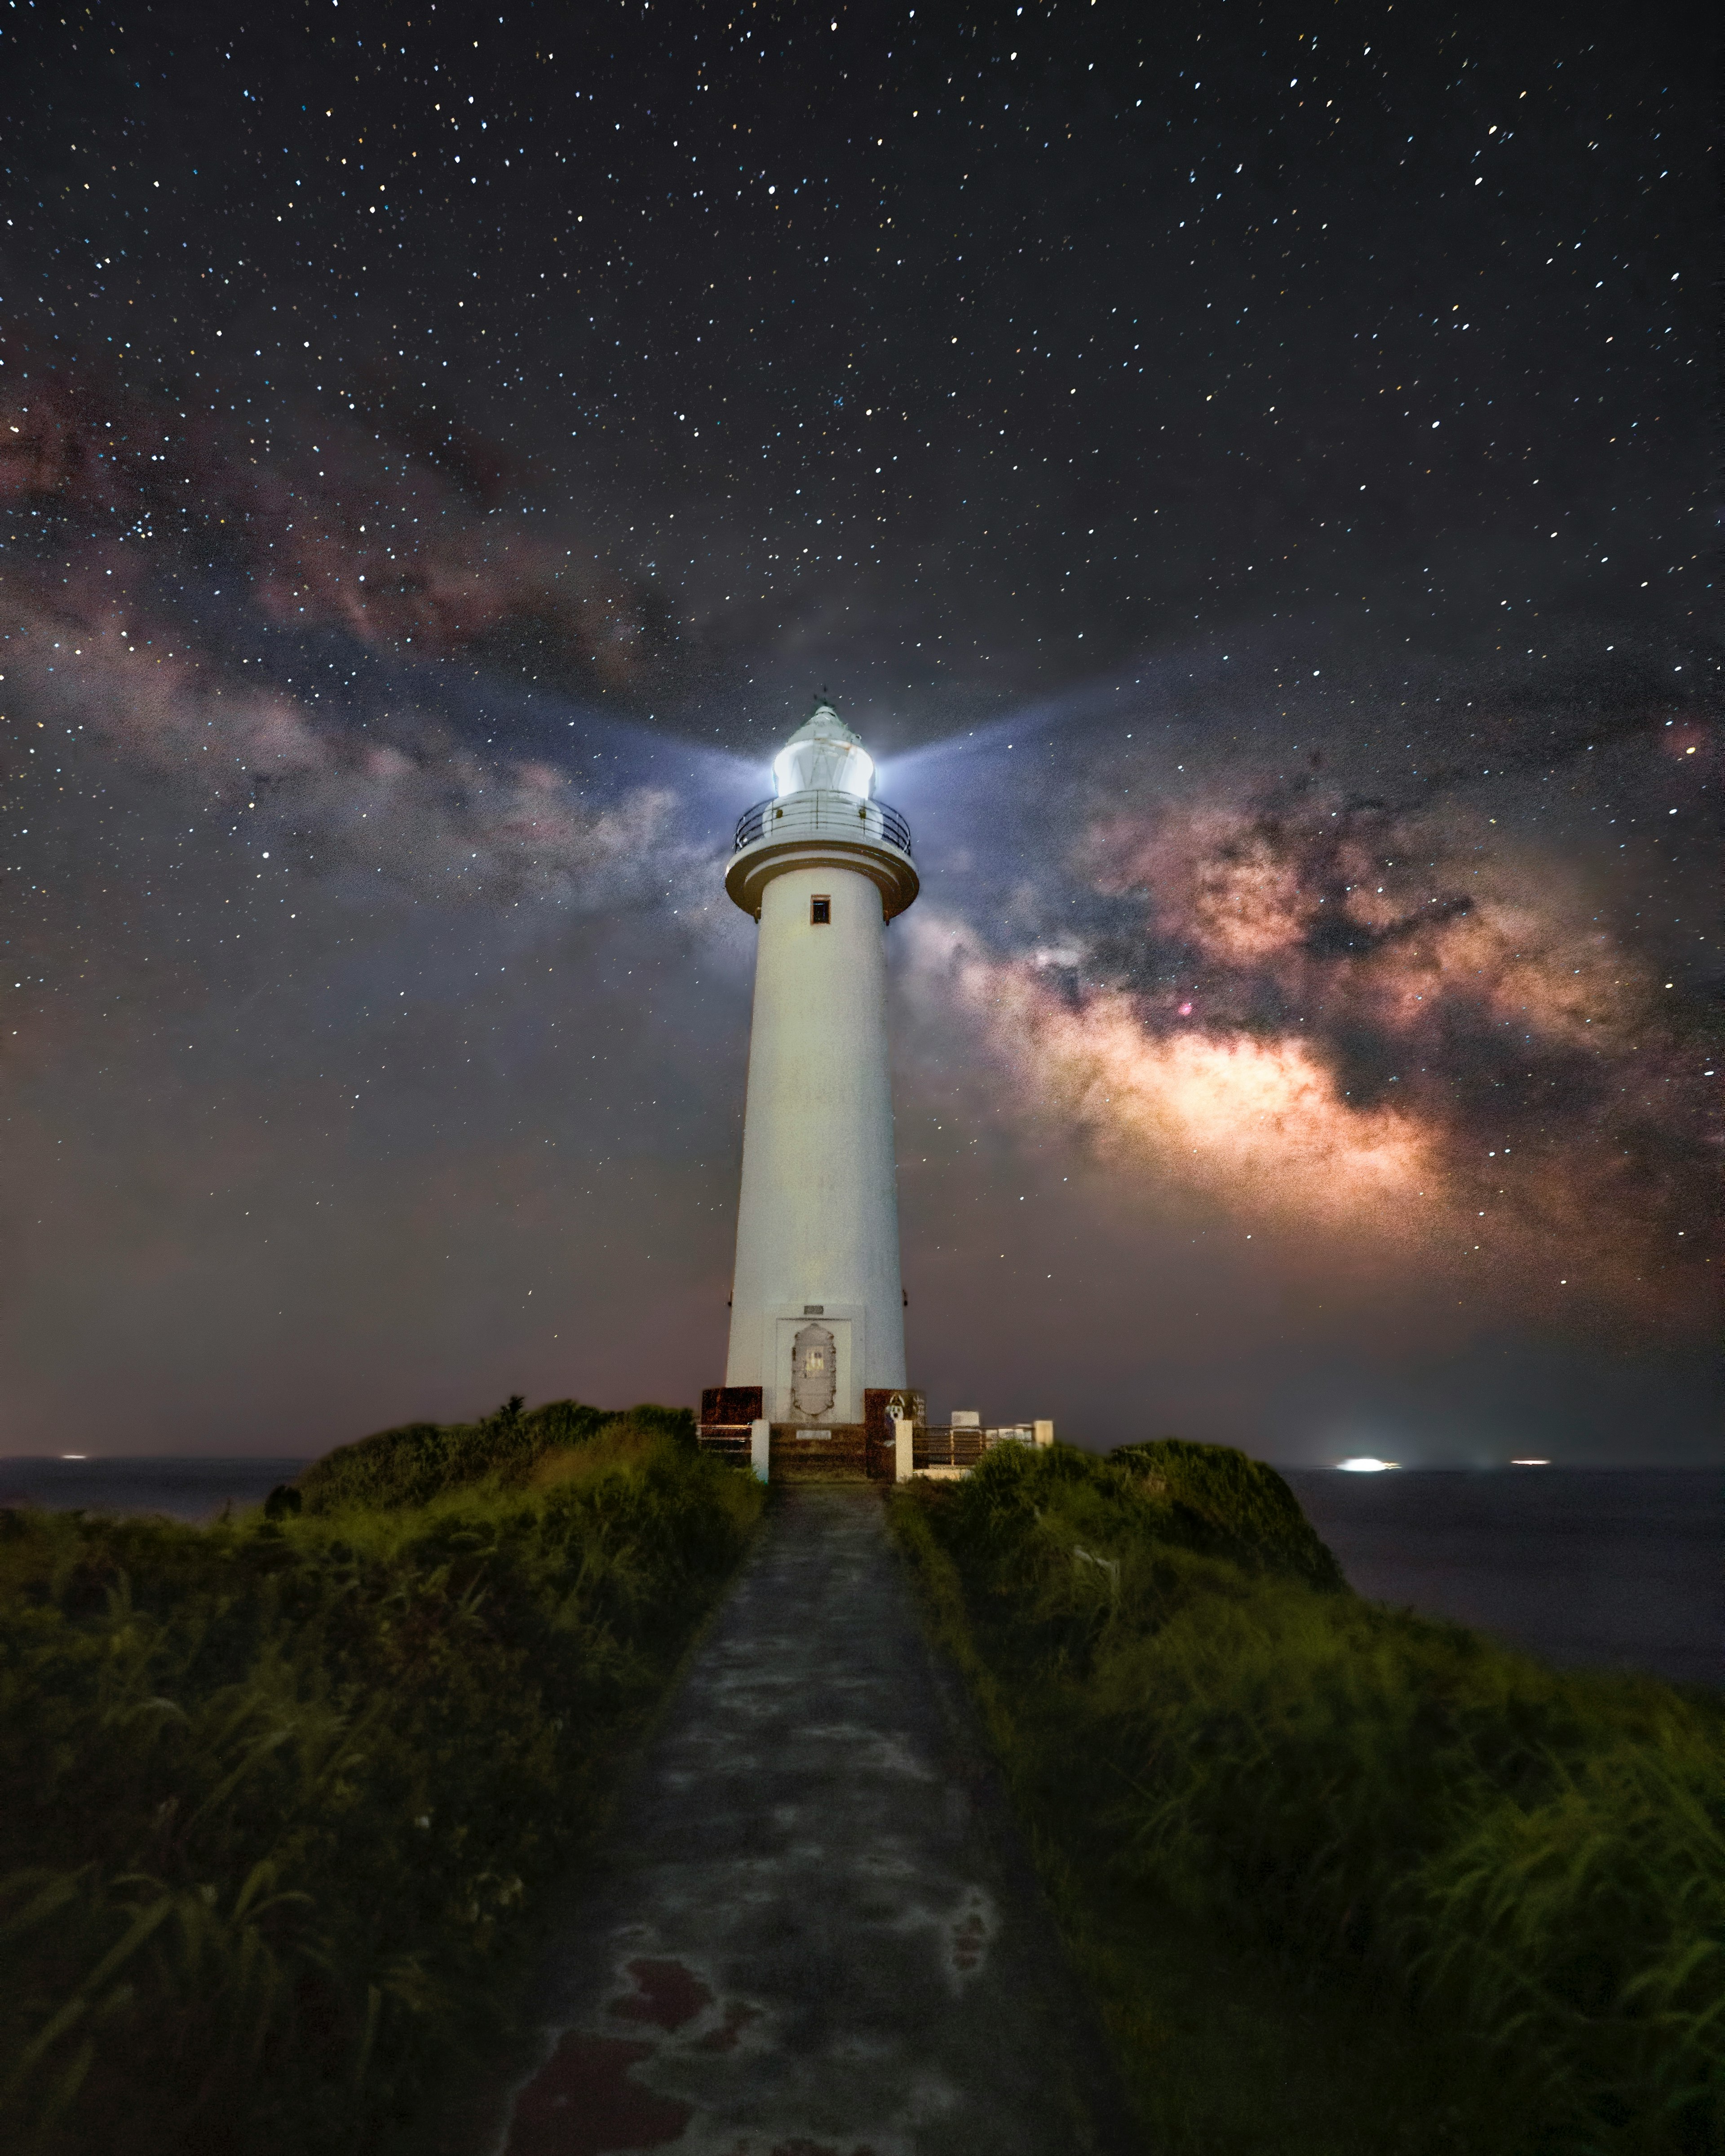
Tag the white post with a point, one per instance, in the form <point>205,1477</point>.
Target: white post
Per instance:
<point>760,1448</point>
<point>902,1458</point>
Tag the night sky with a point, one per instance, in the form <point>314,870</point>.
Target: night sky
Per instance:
<point>1241,471</point>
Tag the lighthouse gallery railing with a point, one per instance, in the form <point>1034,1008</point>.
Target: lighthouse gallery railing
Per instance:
<point>821,810</point>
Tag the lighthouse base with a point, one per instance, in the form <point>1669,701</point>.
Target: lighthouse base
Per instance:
<point>828,1452</point>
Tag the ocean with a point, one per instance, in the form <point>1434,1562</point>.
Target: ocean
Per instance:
<point>1616,1568</point>
<point>184,1489</point>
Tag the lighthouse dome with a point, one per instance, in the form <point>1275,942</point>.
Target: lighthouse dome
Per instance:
<point>823,753</point>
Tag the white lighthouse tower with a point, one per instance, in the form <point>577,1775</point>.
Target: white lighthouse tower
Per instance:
<point>817,1309</point>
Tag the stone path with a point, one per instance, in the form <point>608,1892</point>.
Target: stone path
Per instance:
<point>816,1934</point>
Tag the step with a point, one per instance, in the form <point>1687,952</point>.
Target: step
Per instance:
<point>841,1455</point>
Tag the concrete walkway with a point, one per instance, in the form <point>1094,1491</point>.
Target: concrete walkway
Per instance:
<point>816,1934</point>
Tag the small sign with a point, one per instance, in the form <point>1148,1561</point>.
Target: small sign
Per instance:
<point>814,1433</point>
<point>884,1406</point>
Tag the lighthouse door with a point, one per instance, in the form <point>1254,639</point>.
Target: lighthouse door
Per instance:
<point>812,1364</point>
<point>814,1369</point>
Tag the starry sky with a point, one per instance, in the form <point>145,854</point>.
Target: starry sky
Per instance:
<point>1240,468</point>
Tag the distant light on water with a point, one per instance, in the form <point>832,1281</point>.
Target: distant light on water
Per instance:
<point>1530,1463</point>
<point>1367,1466</point>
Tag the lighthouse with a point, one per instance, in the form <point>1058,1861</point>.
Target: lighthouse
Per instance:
<point>817,1305</point>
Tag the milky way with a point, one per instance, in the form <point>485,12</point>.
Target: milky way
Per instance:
<point>1238,475</point>
<point>1380,1024</point>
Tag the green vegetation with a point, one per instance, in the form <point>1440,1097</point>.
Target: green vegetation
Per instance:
<point>286,1794</point>
<point>1344,1880</point>
<point>417,1462</point>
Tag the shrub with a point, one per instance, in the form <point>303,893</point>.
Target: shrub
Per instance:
<point>1239,1507</point>
<point>1534,1858</point>
<point>419,1461</point>
<point>284,1796</point>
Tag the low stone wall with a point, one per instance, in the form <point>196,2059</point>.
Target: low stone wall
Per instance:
<point>725,1406</point>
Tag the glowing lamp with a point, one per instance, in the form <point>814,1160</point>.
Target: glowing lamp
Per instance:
<point>823,755</point>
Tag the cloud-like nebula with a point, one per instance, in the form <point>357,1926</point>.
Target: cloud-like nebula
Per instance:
<point>1376,1026</point>
<point>404,795</point>
<point>383,528</point>
<point>166,550</point>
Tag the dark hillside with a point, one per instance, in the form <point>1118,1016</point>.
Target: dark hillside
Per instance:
<point>1217,1499</point>
<point>419,1460</point>
<point>1371,1875</point>
<point>285,1797</point>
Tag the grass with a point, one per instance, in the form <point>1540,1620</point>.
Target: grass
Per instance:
<point>284,1796</point>
<point>1343,1879</point>
<point>417,1462</point>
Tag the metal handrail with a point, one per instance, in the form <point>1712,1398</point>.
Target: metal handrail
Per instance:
<point>822,810</point>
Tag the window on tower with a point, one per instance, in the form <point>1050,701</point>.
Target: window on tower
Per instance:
<point>820,913</point>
